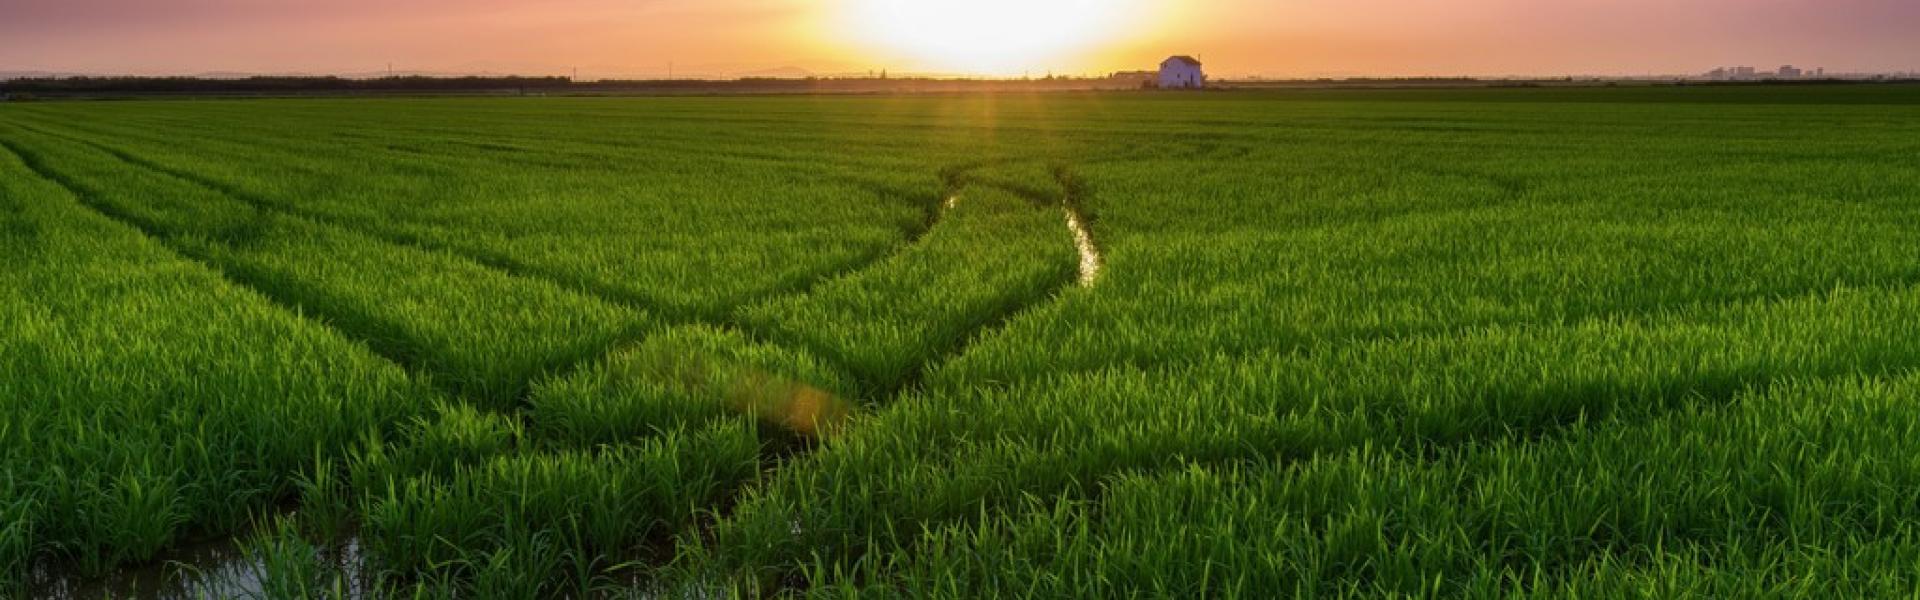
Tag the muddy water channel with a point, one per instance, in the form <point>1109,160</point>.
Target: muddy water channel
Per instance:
<point>210,569</point>
<point>1090,261</point>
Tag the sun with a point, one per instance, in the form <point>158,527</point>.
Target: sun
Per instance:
<point>990,37</point>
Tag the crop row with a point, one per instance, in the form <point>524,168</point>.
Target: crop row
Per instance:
<point>952,456</point>
<point>479,332</point>
<point>677,230</point>
<point>149,401</point>
<point>491,334</point>
<point>1771,495</point>
<point>1400,343</point>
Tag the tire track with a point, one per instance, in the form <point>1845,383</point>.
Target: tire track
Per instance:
<point>400,352</point>
<point>953,181</point>
<point>375,344</point>
<point>657,311</point>
<point>954,186</point>
<point>1073,192</point>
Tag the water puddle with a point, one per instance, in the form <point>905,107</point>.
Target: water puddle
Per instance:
<point>177,573</point>
<point>1090,261</point>
<point>212,569</point>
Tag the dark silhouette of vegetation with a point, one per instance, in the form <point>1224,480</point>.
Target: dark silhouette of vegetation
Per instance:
<point>265,84</point>
<point>36,88</point>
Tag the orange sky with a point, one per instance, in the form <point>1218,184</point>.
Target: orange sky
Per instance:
<point>639,38</point>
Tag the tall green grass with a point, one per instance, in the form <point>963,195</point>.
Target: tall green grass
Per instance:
<point>518,525</point>
<point>148,400</point>
<point>479,332</point>
<point>1634,342</point>
<point>680,227</point>
<point>991,254</point>
<point>949,457</point>
<point>688,376</point>
<point>1772,491</point>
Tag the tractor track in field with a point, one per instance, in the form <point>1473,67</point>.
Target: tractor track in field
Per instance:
<point>398,356</point>
<point>954,179</point>
<point>401,355</point>
<point>954,182</point>
<point>504,265</point>
<point>1072,193</point>
<point>659,312</point>
<point>224,559</point>
<point>1669,396</point>
<point>931,207</point>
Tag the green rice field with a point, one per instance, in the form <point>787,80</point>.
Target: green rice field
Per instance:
<point>1556,342</point>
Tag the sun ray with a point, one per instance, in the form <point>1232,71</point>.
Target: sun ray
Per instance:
<point>989,37</point>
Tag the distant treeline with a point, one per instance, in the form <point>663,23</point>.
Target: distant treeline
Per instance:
<point>137,85</point>
<point>104,87</point>
<point>70,87</point>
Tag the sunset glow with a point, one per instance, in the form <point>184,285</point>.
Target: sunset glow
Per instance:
<point>1001,37</point>
<point>735,38</point>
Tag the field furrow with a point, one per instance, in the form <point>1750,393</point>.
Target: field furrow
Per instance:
<point>654,256</point>
<point>951,457</point>
<point>1584,510</point>
<point>1634,341</point>
<point>989,256</point>
<point>203,406</point>
<point>486,339</point>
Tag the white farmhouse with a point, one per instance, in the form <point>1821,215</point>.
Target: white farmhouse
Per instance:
<point>1182,72</point>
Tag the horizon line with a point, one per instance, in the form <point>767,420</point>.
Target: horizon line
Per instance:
<point>796,73</point>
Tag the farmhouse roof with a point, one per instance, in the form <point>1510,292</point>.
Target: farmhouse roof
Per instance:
<point>1185,59</point>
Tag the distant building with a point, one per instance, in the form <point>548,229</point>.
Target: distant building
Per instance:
<point>1182,72</point>
<point>1135,78</point>
<point>1752,74</point>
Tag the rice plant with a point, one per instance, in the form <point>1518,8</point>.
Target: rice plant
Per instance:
<point>1486,343</point>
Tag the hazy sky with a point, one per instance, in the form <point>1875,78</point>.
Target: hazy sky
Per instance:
<point>606,38</point>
